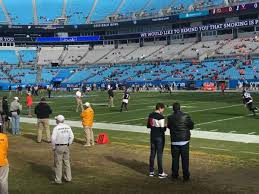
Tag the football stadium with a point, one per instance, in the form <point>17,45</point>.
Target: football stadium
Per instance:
<point>129,96</point>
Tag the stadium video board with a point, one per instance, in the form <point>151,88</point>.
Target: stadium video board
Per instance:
<point>69,39</point>
<point>234,9</point>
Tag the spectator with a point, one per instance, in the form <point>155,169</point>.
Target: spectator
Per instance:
<point>156,122</point>
<point>62,137</point>
<point>6,113</point>
<point>79,101</point>
<point>15,109</point>
<point>49,89</point>
<point>111,96</point>
<point>10,90</point>
<point>180,125</point>
<point>43,111</point>
<point>87,120</point>
<point>4,165</point>
<point>29,103</point>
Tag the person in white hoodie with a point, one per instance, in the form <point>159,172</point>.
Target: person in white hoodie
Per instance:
<point>15,110</point>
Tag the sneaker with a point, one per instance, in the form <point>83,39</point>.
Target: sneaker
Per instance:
<point>151,174</point>
<point>56,183</point>
<point>163,175</point>
<point>86,145</point>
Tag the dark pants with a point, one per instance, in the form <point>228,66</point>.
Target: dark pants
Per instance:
<point>182,151</point>
<point>49,93</point>
<point>251,107</point>
<point>156,148</point>
<point>124,105</point>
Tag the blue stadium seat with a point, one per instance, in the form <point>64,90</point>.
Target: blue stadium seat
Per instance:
<point>21,12</point>
<point>26,75</point>
<point>131,6</point>
<point>82,75</point>
<point>65,73</point>
<point>78,10</point>
<point>105,8</point>
<point>48,11</point>
<point>8,56</point>
<point>4,78</point>
<point>48,74</point>
<point>28,56</point>
<point>2,17</point>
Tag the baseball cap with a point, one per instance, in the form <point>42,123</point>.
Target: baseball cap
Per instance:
<point>60,118</point>
<point>16,98</point>
<point>87,104</point>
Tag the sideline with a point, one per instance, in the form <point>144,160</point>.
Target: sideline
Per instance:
<point>243,138</point>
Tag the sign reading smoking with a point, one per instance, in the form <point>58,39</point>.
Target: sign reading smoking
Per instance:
<point>208,27</point>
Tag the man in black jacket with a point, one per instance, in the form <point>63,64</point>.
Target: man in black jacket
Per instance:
<point>43,111</point>
<point>6,113</point>
<point>156,122</point>
<point>180,125</point>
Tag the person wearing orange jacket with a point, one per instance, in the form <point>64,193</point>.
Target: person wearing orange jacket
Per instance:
<point>87,121</point>
<point>29,103</point>
<point>4,164</point>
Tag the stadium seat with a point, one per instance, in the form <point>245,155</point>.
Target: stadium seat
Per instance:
<point>17,13</point>
<point>48,11</point>
<point>78,11</point>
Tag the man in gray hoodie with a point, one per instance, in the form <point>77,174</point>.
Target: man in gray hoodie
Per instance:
<point>15,110</point>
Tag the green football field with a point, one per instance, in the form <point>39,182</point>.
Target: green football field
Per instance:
<point>210,111</point>
<point>122,165</point>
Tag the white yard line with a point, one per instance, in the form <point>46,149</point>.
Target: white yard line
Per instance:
<point>252,133</point>
<point>141,129</point>
<point>131,102</point>
<point>214,130</point>
<point>220,120</point>
<point>220,149</point>
<point>254,153</point>
<point>232,132</point>
<point>135,110</point>
<point>202,110</point>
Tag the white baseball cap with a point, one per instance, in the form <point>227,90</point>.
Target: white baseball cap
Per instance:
<point>16,98</point>
<point>60,118</point>
<point>87,104</point>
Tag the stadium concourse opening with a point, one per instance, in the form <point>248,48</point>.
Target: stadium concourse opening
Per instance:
<point>110,96</point>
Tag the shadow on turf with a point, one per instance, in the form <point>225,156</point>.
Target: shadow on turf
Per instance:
<point>43,170</point>
<point>140,167</point>
<point>32,137</point>
<point>79,141</point>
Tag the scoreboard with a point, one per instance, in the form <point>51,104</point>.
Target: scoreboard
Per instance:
<point>234,9</point>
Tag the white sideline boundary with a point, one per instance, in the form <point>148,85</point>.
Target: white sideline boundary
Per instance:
<point>242,138</point>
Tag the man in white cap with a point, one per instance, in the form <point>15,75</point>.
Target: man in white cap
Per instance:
<point>79,101</point>
<point>15,110</point>
<point>87,121</point>
<point>62,137</point>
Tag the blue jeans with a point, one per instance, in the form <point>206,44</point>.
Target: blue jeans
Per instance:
<point>16,125</point>
<point>157,148</point>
